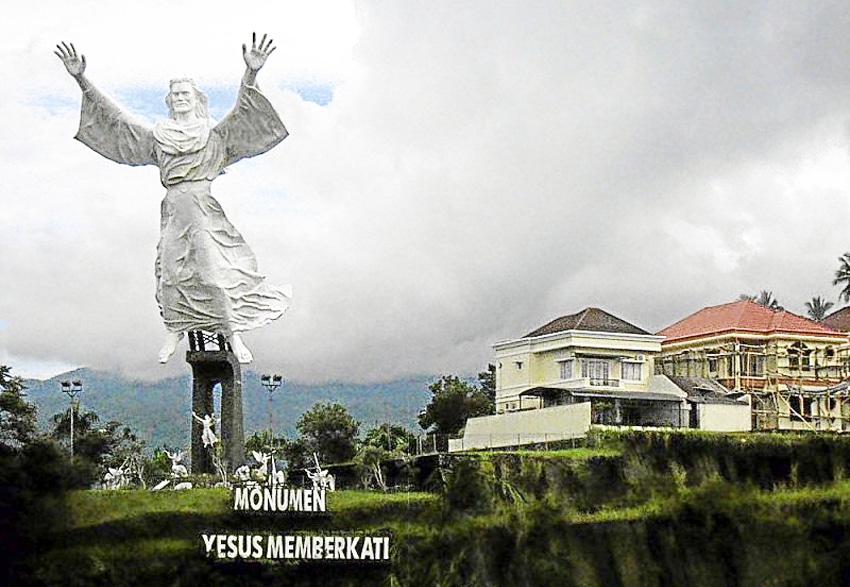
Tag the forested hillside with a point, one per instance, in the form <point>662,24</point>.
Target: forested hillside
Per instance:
<point>159,411</point>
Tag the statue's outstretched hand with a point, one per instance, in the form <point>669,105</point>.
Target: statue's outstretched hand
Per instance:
<point>75,65</point>
<point>256,57</point>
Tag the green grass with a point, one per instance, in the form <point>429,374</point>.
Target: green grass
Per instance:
<point>570,454</point>
<point>96,508</point>
<point>92,508</point>
<point>99,532</point>
<point>661,513</point>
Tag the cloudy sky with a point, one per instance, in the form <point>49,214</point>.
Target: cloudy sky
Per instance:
<point>457,173</point>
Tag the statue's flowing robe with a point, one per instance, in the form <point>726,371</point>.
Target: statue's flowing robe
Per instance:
<point>206,275</point>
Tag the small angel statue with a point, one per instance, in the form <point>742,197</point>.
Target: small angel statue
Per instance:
<point>208,437</point>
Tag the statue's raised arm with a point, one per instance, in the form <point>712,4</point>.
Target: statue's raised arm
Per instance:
<point>76,65</point>
<point>252,127</point>
<point>254,58</point>
<point>104,127</point>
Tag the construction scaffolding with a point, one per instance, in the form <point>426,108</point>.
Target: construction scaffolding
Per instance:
<point>791,387</point>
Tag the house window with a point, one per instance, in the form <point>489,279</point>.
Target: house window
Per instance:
<point>800,407</point>
<point>799,356</point>
<point>566,369</point>
<point>712,365</point>
<point>631,371</point>
<point>754,365</point>
<point>598,371</point>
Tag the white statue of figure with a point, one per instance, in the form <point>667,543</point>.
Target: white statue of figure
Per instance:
<point>266,470</point>
<point>206,275</point>
<point>321,478</point>
<point>115,478</point>
<point>177,470</point>
<point>243,473</point>
<point>261,473</point>
<point>208,437</point>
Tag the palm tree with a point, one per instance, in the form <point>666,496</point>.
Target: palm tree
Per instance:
<point>765,298</point>
<point>817,308</point>
<point>842,275</point>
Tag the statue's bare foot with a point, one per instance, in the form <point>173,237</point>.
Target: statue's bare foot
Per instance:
<point>169,346</point>
<point>240,350</point>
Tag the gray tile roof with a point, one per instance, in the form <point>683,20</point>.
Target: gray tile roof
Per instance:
<point>704,390</point>
<point>590,319</point>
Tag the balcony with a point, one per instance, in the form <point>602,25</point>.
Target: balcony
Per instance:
<point>584,383</point>
<point>603,382</point>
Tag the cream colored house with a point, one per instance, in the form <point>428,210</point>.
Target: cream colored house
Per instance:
<point>593,368</point>
<point>591,356</point>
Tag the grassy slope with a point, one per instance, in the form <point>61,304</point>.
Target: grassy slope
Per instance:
<point>687,529</point>
<point>112,536</point>
<point>109,537</point>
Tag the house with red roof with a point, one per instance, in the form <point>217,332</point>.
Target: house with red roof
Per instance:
<point>787,364</point>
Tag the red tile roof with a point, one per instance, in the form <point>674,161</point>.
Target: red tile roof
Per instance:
<point>743,316</point>
<point>839,320</point>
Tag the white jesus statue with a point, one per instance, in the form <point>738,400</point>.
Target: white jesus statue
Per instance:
<point>206,275</point>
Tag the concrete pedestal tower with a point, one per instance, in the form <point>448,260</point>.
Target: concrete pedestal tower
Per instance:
<point>213,362</point>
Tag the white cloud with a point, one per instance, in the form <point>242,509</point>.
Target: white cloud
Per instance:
<point>482,168</point>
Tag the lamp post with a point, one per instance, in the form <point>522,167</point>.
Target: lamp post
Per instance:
<point>271,382</point>
<point>71,389</point>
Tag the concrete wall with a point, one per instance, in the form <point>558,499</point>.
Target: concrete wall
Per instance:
<point>724,417</point>
<point>528,427</point>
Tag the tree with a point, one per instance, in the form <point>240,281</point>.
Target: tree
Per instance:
<point>17,416</point>
<point>387,442</point>
<point>329,430</point>
<point>453,402</point>
<point>817,308</point>
<point>487,382</point>
<point>369,462</point>
<point>96,448</point>
<point>842,275</point>
<point>390,437</point>
<point>295,453</point>
<point>263,440</point>
<point>764,298</point>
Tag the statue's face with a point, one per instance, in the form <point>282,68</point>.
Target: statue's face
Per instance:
<point>183,98</point>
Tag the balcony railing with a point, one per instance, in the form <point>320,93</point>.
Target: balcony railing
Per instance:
<point>604,382</point>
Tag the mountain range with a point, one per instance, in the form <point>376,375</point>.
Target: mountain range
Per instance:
<point>159,411</point>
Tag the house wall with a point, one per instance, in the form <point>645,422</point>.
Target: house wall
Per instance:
<point>517,428</point>
<point>812,413</point>
<point>724,417</point>
<point>732,352</point>
<point>527,363</point>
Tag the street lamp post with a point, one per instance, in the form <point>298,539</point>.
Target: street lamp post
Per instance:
<point>271,382</point>
<point>71,389</point>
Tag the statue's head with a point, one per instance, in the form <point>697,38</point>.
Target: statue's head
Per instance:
<point>184,95</point>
